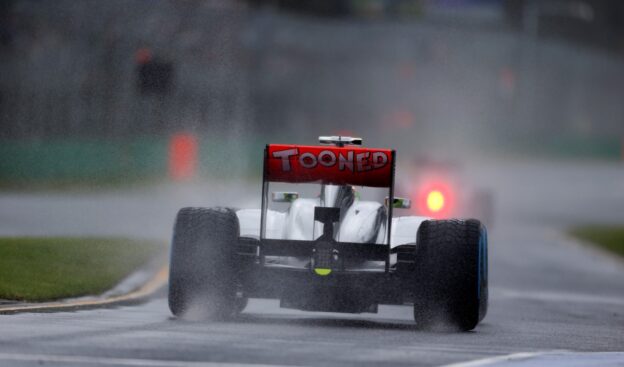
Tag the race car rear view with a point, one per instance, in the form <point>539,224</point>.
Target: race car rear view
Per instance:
<point>333,244</point>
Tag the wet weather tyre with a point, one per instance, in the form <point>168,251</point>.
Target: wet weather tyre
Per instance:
<point>451,270</point>
<point>202,276</point>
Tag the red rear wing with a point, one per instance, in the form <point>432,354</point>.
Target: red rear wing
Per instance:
<point>329,165</point>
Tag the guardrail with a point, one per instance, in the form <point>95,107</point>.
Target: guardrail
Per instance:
<point>76,160</point>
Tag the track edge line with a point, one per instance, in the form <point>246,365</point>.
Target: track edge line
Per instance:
<point>136,296</point>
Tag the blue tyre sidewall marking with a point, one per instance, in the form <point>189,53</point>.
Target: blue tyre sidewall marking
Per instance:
<point>482,261</point>
<point>485,258</point>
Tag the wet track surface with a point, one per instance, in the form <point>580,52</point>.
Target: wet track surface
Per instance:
<point>547,291</point>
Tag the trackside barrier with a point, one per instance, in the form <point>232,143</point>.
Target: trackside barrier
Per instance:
<point>95,161</point>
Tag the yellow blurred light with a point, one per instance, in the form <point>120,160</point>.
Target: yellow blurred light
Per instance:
<point>435,201</point>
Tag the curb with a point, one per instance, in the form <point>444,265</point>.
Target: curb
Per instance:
<point>156,282</point>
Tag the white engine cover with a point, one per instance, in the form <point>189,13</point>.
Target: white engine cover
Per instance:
<point>298,224</point>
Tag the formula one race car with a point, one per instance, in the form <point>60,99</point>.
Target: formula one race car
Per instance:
<point>329,246</point>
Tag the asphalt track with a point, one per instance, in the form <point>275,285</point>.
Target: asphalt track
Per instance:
<point>553,301</point>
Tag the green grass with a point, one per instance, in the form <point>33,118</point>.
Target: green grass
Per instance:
<point>608,237</point>
<point>48,268</point>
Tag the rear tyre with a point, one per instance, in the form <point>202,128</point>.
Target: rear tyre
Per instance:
<point>202,275</point>
<point>451,267</point>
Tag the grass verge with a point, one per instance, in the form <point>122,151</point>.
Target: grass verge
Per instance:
<point>608,237</point>
<point>48,268</point>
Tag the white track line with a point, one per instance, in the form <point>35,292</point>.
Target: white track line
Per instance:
<point>106,361</point>
<point>556,296</point>
<point>492,360</point>
<point>549,358</point>
<point>152,285</point>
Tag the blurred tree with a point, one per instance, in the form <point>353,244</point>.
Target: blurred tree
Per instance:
<point>154,76</point>
<point>6,31</point>
<point>317,7</point>
<point>597,23</point>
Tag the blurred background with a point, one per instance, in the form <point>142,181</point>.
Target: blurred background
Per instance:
<point>95,92</point>
<point>115,114</point>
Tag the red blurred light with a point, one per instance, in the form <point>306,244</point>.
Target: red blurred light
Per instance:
<point>435,199</point>
<point>182,157</point>
<point>143,56</point>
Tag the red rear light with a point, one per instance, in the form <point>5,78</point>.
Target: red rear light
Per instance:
<point>435,200</point>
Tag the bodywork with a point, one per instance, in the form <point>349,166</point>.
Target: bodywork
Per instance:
<point>297,223</point>
<point>350,263</point>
